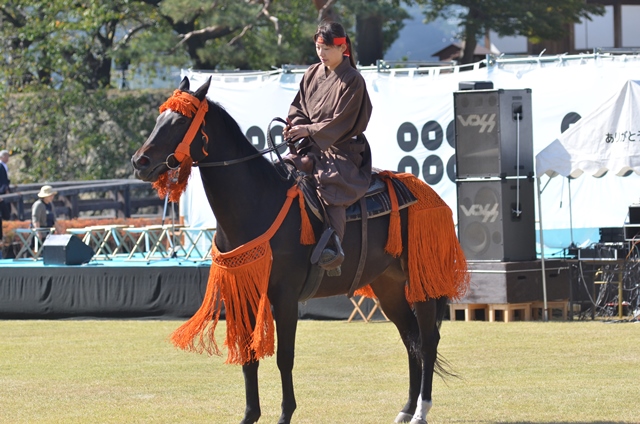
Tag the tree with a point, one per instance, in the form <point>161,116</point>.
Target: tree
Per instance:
<point>73,134</point>
<point>377,23</point>
<point>535,19</point>
<point>227,34</point>
<point>50,43</point>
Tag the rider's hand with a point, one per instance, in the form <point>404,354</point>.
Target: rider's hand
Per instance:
<point>296,132</point>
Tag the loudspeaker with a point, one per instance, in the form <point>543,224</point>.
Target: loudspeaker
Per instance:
<point>475,85</point>
<point>493,133</point>
<point>65,249</point>
<point>489,225</point>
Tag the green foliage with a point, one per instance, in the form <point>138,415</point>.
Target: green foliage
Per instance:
<point>536,19</point>
<point>72,134</point>
<point>230,34</point>
<point>58,41</point>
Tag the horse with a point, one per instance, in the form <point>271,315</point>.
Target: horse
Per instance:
<point>246,192</point>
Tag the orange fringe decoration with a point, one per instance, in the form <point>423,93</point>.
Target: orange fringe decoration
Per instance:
<point>241,282</point>
<point>240,279</point>
<point>437,265</point>
<point>167,182</point>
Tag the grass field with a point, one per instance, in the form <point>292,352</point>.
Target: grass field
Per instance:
<point>127,372</point>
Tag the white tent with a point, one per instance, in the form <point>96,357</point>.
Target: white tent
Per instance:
<point>608,139</point>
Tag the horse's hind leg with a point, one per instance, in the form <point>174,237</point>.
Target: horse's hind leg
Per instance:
<point>390,293</point>
<point>252,409</point>
<point>427,316</point>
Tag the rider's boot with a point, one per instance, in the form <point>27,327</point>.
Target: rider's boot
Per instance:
<point>332,257</point>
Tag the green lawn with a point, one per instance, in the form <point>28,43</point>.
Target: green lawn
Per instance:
<point>127,372</point>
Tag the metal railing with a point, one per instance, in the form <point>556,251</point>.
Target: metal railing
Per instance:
<point>121,198</point>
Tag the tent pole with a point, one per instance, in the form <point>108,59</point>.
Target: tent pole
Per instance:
<point>573,245</point>
<point>542,264</point>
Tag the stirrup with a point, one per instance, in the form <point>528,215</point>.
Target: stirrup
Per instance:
<point>332,257</point>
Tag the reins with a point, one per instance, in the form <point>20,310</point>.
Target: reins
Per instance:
<point>272,148</point>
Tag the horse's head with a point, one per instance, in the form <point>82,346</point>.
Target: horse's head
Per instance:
<point>165,149</point>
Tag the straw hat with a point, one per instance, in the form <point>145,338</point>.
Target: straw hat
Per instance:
<point>46,191</point>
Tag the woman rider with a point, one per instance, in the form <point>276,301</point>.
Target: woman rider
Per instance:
<point>330,113</point>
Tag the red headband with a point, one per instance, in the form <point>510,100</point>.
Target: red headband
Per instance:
<point>337,41</point>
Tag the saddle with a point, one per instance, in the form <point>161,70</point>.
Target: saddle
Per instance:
<point>376,202</point>
<point>377,198</point>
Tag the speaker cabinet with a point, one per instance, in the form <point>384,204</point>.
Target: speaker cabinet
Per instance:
<point>489,227</point>
<point>65,249</point>
<point>493,133</point>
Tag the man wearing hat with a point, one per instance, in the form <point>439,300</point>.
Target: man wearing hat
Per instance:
<point>43,213</point>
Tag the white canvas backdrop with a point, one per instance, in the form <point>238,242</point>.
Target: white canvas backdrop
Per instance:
<point>411,128</point>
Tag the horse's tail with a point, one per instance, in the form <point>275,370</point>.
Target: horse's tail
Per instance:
<point>441,366</point>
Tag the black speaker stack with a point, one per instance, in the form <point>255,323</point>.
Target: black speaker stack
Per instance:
<point>494,173</point>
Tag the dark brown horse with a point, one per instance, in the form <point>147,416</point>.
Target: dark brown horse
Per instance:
<point>246,192</point>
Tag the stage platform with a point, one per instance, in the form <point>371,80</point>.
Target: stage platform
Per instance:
<point>169,288</point>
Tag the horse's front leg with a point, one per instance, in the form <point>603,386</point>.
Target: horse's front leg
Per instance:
<point>286,317</point>
<point>252,409</point>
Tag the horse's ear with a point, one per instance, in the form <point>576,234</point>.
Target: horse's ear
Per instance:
<point>201,92</point>
<point>184,84</point>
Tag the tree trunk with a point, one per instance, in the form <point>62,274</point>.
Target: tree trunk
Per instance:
<point>327,14</point>
<point>470,44</point>
<point>472,29</point>
<point>369,40</point>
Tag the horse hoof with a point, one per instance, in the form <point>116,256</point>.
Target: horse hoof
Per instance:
<point>418,421</point>
<point>403,417</point>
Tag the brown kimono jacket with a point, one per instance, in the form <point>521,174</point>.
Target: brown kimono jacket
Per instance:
<point>338,109</point>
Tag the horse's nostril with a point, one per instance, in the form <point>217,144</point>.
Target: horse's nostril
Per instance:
<point>141,162</point>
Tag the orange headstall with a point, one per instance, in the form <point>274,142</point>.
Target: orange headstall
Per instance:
<point>187,105</point>
<point>174,182</point>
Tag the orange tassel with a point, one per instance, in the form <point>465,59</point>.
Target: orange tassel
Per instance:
<point>394,239</point>
<point>166,184</point>
<point>181,102</point>
<point>307,237</point>
<point>365,291</point>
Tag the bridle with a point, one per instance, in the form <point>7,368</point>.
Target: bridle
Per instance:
<point>187,104</point>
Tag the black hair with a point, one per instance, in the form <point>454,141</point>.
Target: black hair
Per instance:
<point>330,30</point>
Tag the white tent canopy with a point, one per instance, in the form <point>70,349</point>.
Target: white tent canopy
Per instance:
<point>608,139</point>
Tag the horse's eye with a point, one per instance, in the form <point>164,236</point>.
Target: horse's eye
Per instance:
<point>182,120</point>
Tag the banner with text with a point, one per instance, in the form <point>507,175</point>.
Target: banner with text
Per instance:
<point>412,129</point>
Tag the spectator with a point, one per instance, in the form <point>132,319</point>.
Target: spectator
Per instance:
<point>43,213</point>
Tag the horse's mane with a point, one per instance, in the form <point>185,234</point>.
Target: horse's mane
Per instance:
<point>248,148</point>
<point>229,122</point>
